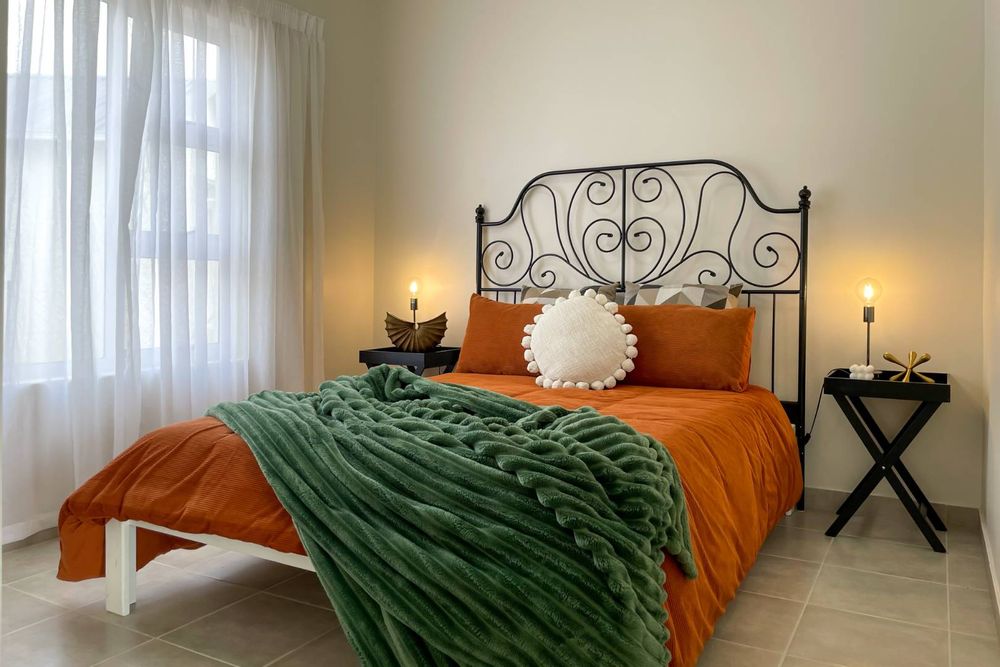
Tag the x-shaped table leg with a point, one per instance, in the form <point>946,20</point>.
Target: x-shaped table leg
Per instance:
<point>884,445</point>
<point>888,465</point>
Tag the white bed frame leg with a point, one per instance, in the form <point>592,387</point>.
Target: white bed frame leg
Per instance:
<point>119,566</point>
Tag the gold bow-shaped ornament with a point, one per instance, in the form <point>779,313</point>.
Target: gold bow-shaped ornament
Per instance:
<point>908,372</point>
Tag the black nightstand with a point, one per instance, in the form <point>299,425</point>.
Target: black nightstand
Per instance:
<point>417,362</point>
<point>888,464</point>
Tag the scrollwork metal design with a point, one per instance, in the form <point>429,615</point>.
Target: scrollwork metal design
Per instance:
<point>613,212</point>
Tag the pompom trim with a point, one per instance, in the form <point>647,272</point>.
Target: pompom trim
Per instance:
<point>625,366</point>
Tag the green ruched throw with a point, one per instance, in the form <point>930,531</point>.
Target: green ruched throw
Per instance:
<point>455,526</point>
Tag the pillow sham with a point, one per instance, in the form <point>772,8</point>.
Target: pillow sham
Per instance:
<point>690,294</point>
<point>532,294</point>
<point>580,341</point>
<point>492,341</point>
<point>692,347</point>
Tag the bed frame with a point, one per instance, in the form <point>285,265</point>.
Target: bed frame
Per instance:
<point>119,559</point>
<point>638,221</point>
<point>626,228</point>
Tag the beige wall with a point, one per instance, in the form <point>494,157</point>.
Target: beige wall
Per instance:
<point>991,286</point>
<point>349,177</point>
<point>876,105</point>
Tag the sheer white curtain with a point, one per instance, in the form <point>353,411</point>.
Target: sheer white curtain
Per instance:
<point>163,225</point>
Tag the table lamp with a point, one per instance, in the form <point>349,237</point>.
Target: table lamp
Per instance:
<point>415,336</point>
<point>869,290</point>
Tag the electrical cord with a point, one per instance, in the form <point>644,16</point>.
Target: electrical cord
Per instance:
<point>819,401</point>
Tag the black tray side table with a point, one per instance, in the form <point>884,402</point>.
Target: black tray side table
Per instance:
<point>886,453</point>
<point>416,362</point>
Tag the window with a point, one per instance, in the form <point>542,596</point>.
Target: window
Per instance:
<point>200,239</point>
<point>173,220</point>
<point>156,217</point>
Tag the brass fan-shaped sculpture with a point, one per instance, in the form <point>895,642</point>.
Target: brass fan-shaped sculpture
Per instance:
<point>413,336</point>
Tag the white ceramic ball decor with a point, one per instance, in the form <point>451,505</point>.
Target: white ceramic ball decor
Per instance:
<point>580,342</point>
<point>862,372</point>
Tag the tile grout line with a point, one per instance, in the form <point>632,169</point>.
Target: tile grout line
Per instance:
<point>112,657</point>
<point>162,637</point>
<point>859,569</point>
<point>912,545</point>
<point>65,611</point>
<point>204,655</point>
<point>824,564</point>
<point>766,650</point>
<point>74,612</point>
<point>862,613</point>
<point>802,613</point>
<point>38,622</point>
<point>880,540</point>
<point>78,611</point>
<point>25,578</point>
<point>38,597</point>
<point>291,599</point>
<point>897,576</point>
<point>291,576</point>
<point>214,611</point>
<point>301,646</point>
<point>735,643</point>
<point>149,638</point>
<point>157,639</point>
<point>886,618</point>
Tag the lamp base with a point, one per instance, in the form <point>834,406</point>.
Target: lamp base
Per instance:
<point>414,336</point>
<point>868,316</point>
<point>868,344</point>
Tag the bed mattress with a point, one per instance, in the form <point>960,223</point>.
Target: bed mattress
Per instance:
<point>735,451</point>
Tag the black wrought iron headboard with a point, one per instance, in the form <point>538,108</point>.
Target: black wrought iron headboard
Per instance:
<point>637,226</point>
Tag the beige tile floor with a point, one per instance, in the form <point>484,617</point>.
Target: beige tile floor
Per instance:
<point>876,596</point>
<point>200,608</point>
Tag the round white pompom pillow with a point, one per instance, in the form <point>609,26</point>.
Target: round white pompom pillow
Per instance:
<point>580,342</point>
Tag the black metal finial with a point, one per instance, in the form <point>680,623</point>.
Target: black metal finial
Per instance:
<point>804,194</point>
<point>480,214</point>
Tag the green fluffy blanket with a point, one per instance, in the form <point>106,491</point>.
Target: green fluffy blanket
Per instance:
<point>455,526</point>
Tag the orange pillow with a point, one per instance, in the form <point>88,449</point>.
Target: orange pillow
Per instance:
<point>493,337</point>
<point>691,347</point>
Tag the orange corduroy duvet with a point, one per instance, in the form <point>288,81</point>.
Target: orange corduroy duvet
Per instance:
<point>735,451</point>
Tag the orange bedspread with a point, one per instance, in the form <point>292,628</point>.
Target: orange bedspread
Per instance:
<point>736,454</point>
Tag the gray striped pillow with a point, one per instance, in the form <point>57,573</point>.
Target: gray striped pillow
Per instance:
<point>543,295</point>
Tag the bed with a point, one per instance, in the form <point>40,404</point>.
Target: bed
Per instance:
<point>740,454</point>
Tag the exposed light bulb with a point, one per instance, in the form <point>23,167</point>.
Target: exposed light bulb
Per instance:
<point>414,287</point>
<point>869,290</point>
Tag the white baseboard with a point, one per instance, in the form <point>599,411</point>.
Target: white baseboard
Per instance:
<point>991,562</point>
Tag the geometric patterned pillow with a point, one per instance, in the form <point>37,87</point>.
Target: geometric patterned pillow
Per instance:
<point>708,296</point>
<point>544,295</point>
